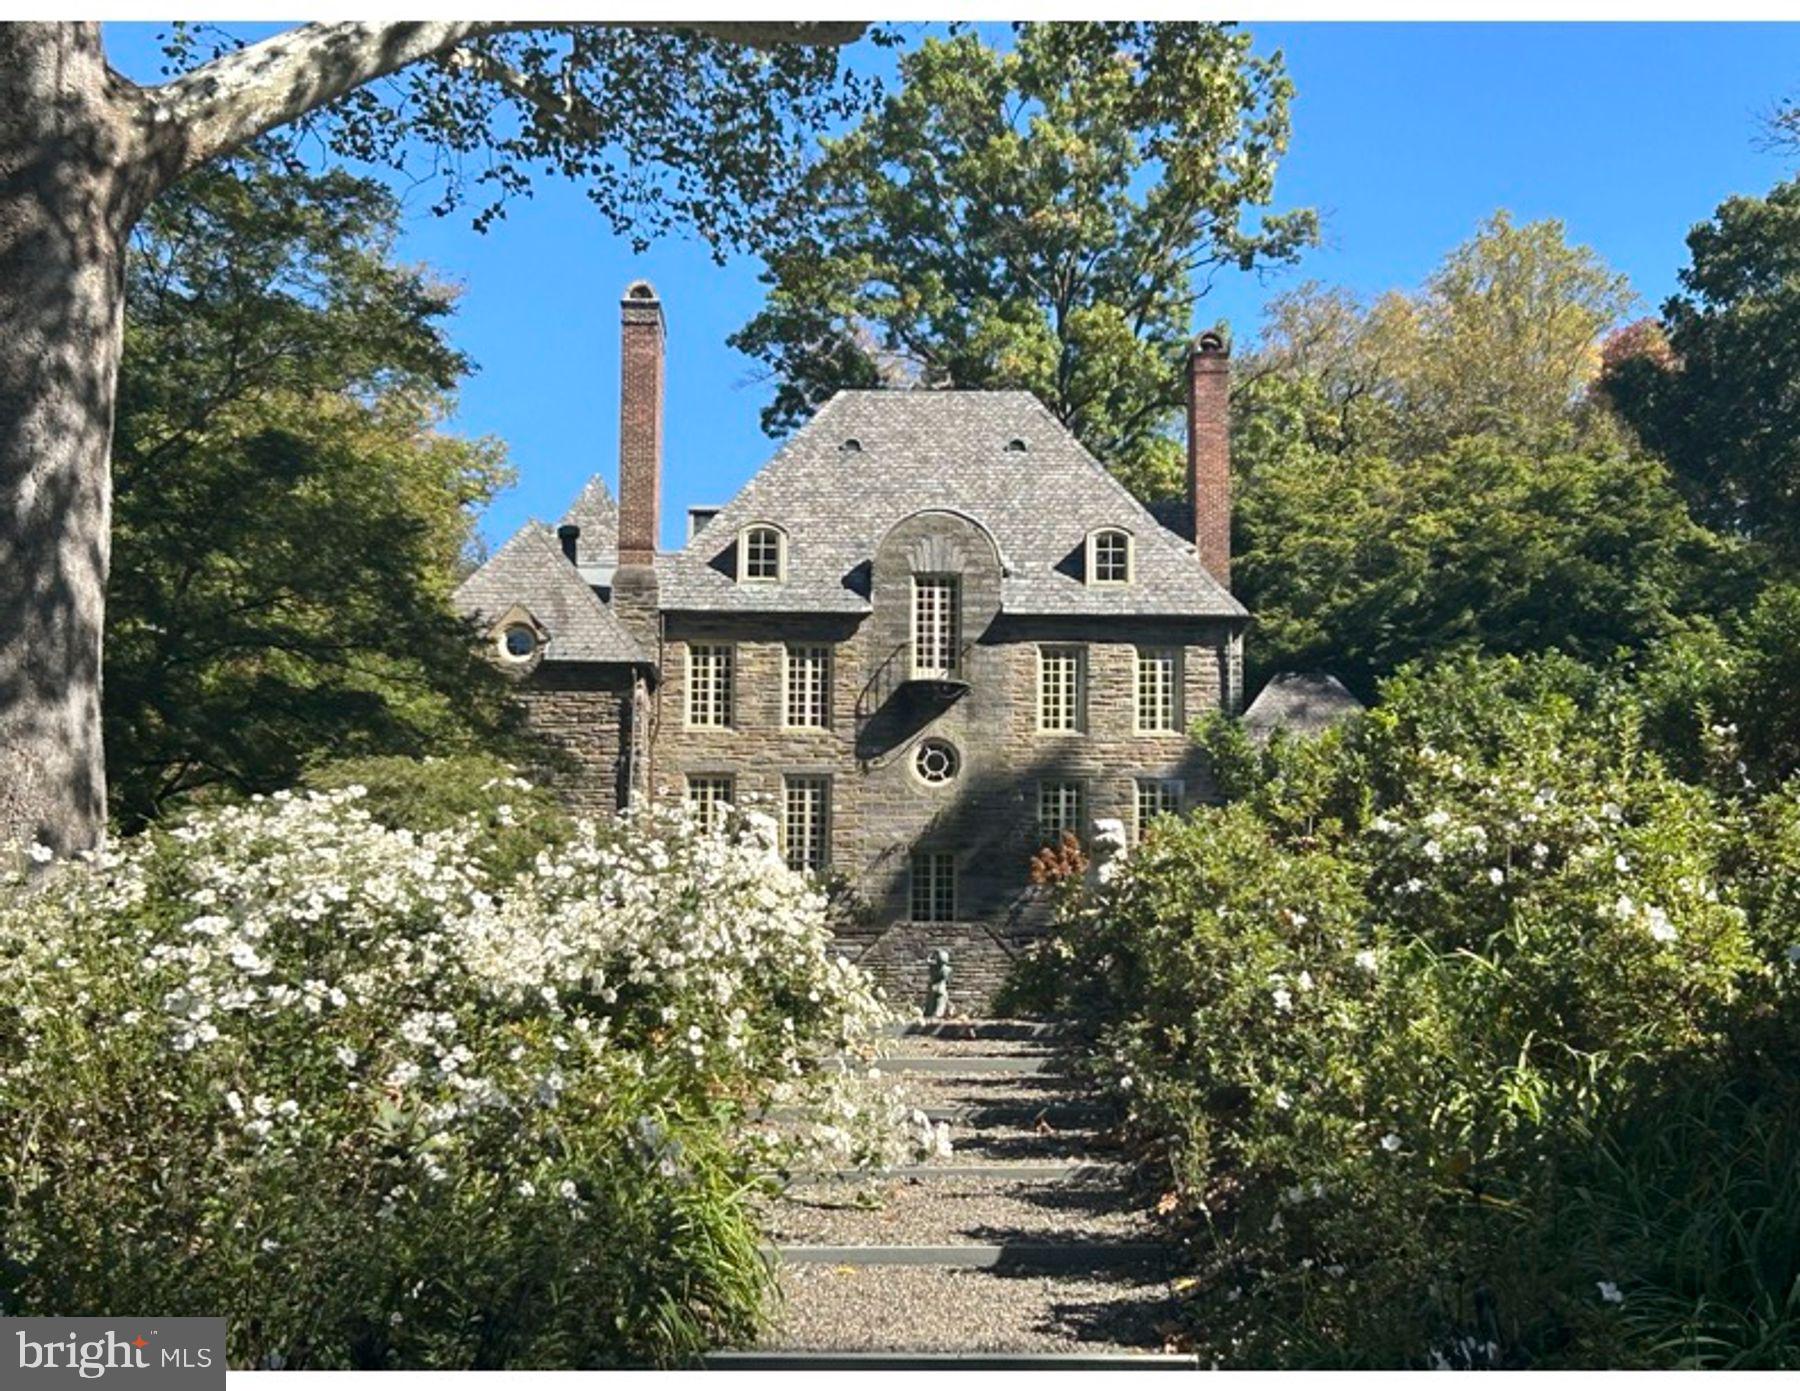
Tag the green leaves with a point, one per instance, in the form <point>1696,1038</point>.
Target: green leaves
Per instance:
<point>1044,219</point>
<point>1714,392</point>
<point>289,520</point>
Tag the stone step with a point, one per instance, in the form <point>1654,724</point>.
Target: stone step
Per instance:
<point>1082,1171</point>
<point>1009,1255</point>
<point>1045,1029</point>
<point>974,1066</point>
<point>775,1361</point>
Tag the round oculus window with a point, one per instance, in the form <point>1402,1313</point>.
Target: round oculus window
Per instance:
<point>937,761</point>
<point>518,642</point>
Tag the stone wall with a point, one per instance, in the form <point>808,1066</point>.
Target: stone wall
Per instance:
<point>586,711</point>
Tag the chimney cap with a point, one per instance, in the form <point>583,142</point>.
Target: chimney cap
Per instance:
<point>641,291</point>
<point>1211,344</point>
<point>568,531</point>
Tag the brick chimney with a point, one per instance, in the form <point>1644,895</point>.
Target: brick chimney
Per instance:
<point>640,423</point>
<point>634,589</point>
<point>1209,452</point>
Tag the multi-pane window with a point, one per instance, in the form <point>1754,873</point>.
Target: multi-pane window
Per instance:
<point>1061,688</point>
<point>933,886</point>
<point>709,684</point>
<point>1061,808</point>
<point>709,794</point>
<point>805,822</point>
<point>935,624</point>
<point>1158,690</point>
<point>808,687</point>
<point>1157,797</point>
<point>1111,557</point>
<point>762,553</point>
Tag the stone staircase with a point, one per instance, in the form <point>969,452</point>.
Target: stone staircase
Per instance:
<point>1024,1248</point>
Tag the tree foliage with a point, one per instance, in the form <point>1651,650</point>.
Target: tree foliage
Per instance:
<point>1425,474</point>
<point>1044,219</point>
<point>289,517</point>
<point>1714,391</point>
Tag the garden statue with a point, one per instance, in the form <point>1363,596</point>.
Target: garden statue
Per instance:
<point>937,994</point>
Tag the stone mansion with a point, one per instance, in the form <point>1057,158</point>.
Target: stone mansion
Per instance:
<point>930,635</point>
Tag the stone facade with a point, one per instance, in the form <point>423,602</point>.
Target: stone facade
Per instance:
<point>983,500</point>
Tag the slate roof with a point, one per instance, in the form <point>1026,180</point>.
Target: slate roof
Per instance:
<point>532,572</point>
<point>940,449</point>
<point>1300,703</point>
<point>595,512</point>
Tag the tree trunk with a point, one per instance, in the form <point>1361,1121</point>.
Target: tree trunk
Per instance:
<point>66,208</point>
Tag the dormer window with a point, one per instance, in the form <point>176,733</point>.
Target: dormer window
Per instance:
<point>1109,557</point>
<point>518,642</point>
<point>762,554</point>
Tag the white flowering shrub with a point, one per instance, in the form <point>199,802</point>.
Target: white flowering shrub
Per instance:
<point>326,1077</point>
<point>1444,1023</point>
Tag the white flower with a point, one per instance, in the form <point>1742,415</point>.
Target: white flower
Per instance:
<point>1305,981</point>
<point>1366,960</point>
<point>346,1055</point>
<point>1612,811</point>
<point>1496,875</point>
<point>1283,1101</point>
<point>1609,1292</point>
<point>40,854</point>
<point>1624,909</point>
<point>567,1190</point>
<point>1390,1142</point>
<point>1658,922</point>
<point>1283,1000</point>
<point>528,1189</point>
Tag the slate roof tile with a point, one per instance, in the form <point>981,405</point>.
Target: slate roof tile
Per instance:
<point>531,571</point>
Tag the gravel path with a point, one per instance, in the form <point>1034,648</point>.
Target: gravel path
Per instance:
<point>953,1212</point>
<point>924,1046</point>
<point>880,1308</point>
<point>1007,1119</point>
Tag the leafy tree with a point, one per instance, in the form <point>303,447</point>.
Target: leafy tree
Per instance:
<point>1714,393</point>
<point>1357,563</point>
<point>694,125</point>
<point>288,523</point>
<point>1044,219</point>
<point>1424,473</point>
<point>1502,340</point>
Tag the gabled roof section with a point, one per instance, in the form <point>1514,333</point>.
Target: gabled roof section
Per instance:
<point>531,571</point>
<point>1307,702</point>
<point>870,458</point>
<point>595,512</point>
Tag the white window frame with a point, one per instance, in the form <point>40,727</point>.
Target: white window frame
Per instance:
<point>936,626</point>
<point>806,821</point>
<point>1145,656</point>
<point>1093,556</point>
<point>1062,806</point>
<point>806,685</point>
<point>936,891</point>
<point>705,793</point>
<point>710,697</point>
<point>1062,688</point>
<point>1167,794</point>
<point>745,553</point>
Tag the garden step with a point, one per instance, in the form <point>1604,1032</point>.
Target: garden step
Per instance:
<point>914,1309</point>
<point>1036,1255</point>
<point>848,1361</point>
<point>979,1028</point>
<point>1082,1171</point>
<point>974,1066</point>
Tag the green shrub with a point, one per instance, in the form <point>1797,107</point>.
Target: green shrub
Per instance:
<point>1403,1018</point>
<point>334,1080</point>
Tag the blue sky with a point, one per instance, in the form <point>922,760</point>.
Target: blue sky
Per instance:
<point>1405,137</point>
